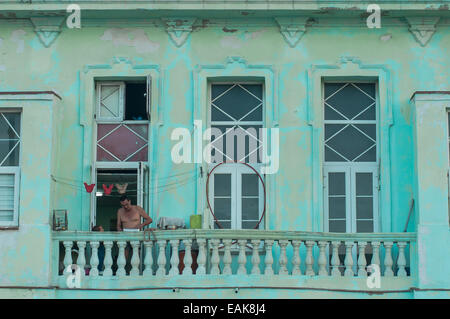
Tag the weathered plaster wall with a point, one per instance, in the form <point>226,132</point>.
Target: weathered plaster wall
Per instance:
<point>25,251</point>
<point>25,64</point>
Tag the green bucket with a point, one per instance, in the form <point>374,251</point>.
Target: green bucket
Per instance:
<point>196,221</point>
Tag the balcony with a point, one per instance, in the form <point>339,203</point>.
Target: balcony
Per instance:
<point>229,258</point>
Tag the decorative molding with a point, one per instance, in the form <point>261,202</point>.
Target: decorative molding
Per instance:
<point>179,29</point>
<point>422,28</point>
<point>47,28</point>
<point>292,29</point>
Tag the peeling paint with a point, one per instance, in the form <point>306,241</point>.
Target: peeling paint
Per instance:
<point>136,38</point>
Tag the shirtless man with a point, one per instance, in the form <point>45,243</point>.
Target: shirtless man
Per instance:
<point>129,216</point>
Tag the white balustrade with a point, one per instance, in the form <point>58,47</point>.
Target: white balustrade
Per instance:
<point>216,249</point>
<point>227,257</point>
<point>94,259</point>
<point>255,257</point>
<point>148,260</point>
<point>283,257</point>
<point>322,259</point>
<point>215,259</point>
<point>187,257</point>
<point>388,262</point>
<point>135,259</point>
<point>335,262</point>
<point>201,259</point>
<point>362,263</point>
<point>401,262</point>
<point>108,259</point>
<point>309,258</point>
<point>348,261</point>
<point>161,258</point>
<point>269,258</point>
<point>296,260</point>
<point>121,261</point>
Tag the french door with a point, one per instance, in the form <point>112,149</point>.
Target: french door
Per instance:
<point>236,197</point>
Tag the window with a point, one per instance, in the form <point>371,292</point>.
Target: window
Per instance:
<point>122,140</point>
<point>351,159</point>
<point>122,121</point>
<point>236,120</point>
<point>9,168</point>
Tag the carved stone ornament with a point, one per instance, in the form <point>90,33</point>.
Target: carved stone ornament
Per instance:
<point>47,28</point>
<point>179,29</point>
<point>422,28</point>
<point>292,28</point>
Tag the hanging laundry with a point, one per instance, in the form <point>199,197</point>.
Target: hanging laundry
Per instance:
<point>121,188</point>
<point>89,188</point>
<point>107,189</point>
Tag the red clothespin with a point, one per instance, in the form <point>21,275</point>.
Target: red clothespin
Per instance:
<point>107,189</point>
<point>89,188</point>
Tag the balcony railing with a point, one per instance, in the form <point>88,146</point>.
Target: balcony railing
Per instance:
<point>152,258</point>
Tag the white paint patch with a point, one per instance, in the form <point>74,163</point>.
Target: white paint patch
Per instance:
<point>17,36</point>
<point>132,38</point>
<point>2,68</point>
<point>386,37</point>
<point>232,42</point>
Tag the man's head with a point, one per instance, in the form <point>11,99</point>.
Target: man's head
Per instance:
<point>125,202</point>
<point>97,228</point>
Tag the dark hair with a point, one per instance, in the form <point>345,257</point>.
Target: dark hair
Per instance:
<point>124,197</point>
<point>96,228</point>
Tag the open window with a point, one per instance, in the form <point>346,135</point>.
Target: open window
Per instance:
<point>122,144</point>
<point>111,184</point>
<point>119,101</point>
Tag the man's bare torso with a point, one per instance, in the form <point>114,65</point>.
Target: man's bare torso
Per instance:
<point>131,218</point>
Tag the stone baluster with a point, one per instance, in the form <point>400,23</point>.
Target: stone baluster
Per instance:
<point>174,260</point>
<point>121,261</point>
<point>227,257</point>
<point>296,261</point>
<point>201,259</point>
<point>388,259</point>
<point>269,258</point>
<point>215,259</point>
<point>309,258</point>
<point>148,260</point>
<point>375,253</point>
<point>108,259</point>
<point>135,259</point>
<point>255,257</point>
<point>335,262</point>
<point>283,258</point>
<point>68,254</point>
<point>161,258</point>
<point>348,261</point>
<point>241,258</point>
<point>362,263</point>
<point>322,258</point>
<point>401,262</point>
<point>94,259</point>
<point>187,257</point>
<point>81,261</point>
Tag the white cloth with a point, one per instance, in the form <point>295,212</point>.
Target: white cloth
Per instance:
<point>163,222</point>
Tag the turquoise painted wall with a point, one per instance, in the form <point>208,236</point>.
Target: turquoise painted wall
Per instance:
<point>70,64</point>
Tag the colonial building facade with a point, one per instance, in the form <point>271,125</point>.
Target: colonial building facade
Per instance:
<point>290,149</point>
